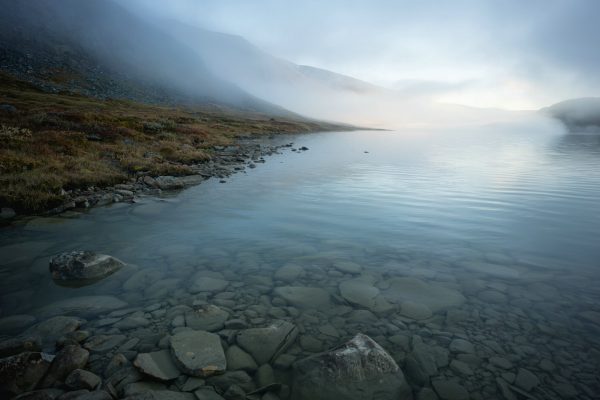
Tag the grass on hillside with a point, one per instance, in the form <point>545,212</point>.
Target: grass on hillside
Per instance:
<point>56,142</point>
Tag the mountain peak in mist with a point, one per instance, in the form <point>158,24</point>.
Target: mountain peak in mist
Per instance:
<point>579,115</point>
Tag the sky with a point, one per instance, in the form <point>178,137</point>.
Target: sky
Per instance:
<point>504,53</point>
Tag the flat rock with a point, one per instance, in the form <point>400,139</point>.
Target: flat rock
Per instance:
<point>449,390</point>
<point>207,284</point>
<point>238,359</point>
<point>104,343</point>
<point>267,343</point>
<point>347,267</point>
<point>461,346</point>
<point>82,306</point>
<point>311,344</point>
<point>362,293</point>
<point>501,362</point>
<point>207,394</point>
<point>198,353</point>
<point>192,383</point>
<point>526,379</point>
<point>132,322</point>
<point>359,369</point>
<point>460,368</point>
<point>436,297</point>
<point>78,268</point>
<point>158,365</point>
<point>421,364</point>
<point>168,183</point>
<point>415,311</point>
<point>305,297</point>
<point>229,378</point>
<point>289,273</point>
<point>206,318</point>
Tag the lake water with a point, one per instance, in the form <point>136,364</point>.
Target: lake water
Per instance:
<point>488,235</point>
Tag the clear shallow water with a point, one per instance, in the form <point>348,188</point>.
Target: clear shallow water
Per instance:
<point>500,227</point>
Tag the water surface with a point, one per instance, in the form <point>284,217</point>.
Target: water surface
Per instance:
<point>501,223</point>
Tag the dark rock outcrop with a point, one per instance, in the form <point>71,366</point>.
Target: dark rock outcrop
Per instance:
<point>358,370</point>
<point>82,267</point>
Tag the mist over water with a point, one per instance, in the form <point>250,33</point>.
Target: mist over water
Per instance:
<point>463,237</point>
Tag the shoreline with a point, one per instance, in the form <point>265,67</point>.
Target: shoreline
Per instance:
<point>226,160</point>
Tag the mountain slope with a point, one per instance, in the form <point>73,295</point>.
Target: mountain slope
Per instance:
<point>581,114</point>
<point>102,49</point>
<point>317,92</point>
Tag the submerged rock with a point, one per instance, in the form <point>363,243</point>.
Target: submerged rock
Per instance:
<point>436,297</point>
<point>415,310</point>
<point>82,379</point>
<point>264,344</point>
<point>449,390</point>
<point>53,328</point>
<point>15,323</point>
<point>21,373</point>
<point>104,343</point>
<point>158,365</point>
<point>21,344</point>
<point>82,305</point>
<point>206,318</point>
<point>207,284</point>
<point>79,268</point>
<point>198,353</point>
<point>358,370</point>
<point>305,297</point>
<point>421,364</point>
<point>238,359</point>
<point>68,359</point>
<point>362,293</point>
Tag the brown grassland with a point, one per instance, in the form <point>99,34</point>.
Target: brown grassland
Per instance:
<point>56,142</point>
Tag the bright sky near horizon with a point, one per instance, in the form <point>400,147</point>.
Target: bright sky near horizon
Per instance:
<point>510,54</point>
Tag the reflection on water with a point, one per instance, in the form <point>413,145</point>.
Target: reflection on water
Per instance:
<point>490,237</point>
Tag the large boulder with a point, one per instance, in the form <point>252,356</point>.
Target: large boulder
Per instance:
<point>68,359</point>
<point>78,268</point>
<point>265,344</point>
<point>198,353</point>
<point>22,373</point>
<point>358,370</point>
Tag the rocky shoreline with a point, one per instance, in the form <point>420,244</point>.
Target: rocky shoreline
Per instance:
<point>318,328</point>
<point>224,162</point>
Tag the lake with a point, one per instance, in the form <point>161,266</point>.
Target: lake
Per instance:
<point>478,249</point>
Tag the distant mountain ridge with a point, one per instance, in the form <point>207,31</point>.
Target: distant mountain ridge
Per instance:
<point>582,114</point>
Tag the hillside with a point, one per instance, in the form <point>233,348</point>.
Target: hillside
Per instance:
<point>100,49</point>
<point>56,144</point>
<point>581,114</point>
